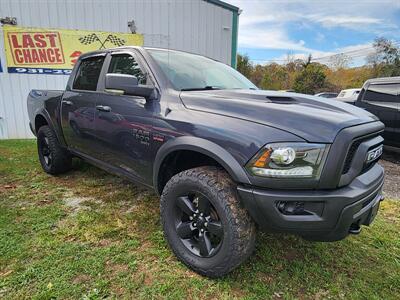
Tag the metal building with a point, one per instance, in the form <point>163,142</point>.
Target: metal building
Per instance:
<point>207,27</point>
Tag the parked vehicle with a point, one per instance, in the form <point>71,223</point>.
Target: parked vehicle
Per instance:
<point>327,95</point>
<point>349,95</point>
<point>223,155</point>
<point>381,96</point>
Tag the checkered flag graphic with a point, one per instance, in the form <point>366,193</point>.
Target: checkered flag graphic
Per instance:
<point>88,39</point>
<point>115,40</point>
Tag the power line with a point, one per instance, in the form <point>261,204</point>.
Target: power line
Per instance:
<point>356,53</point>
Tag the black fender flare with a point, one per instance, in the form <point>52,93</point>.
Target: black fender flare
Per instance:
<point>45,114</point>
<point>206,147</point>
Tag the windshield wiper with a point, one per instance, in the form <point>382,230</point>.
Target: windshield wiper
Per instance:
<point>206,88</point>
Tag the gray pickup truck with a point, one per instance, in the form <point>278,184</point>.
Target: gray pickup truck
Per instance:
<point>226,157</point>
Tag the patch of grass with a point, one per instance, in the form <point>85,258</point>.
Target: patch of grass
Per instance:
<point>90,235</point>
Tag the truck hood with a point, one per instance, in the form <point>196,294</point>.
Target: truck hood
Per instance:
<point>312,118</point>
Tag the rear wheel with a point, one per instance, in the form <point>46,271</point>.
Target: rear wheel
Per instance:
<point>53,158</point>
<point>204,223</point>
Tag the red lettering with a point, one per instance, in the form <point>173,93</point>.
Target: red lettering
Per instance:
<point>35,56</point>
<point>14,41</point>
<point>37,48</point>
<point>50,55</point>
<point>58,55</point>
<point>52,39</point>
<point>18,56</point>
<point>27,41</point>
<point>42,55</point>
<point>40,41</point>
<point>27,56</point>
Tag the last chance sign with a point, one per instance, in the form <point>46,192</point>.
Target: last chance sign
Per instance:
<point>55,51</point>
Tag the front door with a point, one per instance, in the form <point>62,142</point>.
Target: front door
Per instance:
<point>78,107</point>
<point>124,123</point>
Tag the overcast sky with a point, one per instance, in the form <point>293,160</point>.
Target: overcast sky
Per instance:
<point>268,30</point>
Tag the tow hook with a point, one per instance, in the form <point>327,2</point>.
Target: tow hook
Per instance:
<point>382,198</point>
<point>355,228</point>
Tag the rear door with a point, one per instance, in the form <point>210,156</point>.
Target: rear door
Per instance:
<point>382,99</point>
<point>78,107</point>
<point>124,122</point>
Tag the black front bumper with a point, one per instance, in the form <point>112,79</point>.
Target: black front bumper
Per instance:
<point>324,215</point>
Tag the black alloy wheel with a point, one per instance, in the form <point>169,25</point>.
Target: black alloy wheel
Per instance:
<point>198,224</point>
<point>204,222</point>
<point>44,148</point>
<point>52,156</point>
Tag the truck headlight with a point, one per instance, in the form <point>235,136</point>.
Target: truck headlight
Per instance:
<point>289,160</point>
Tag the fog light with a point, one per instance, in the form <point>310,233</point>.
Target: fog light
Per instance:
<point>292,208</point>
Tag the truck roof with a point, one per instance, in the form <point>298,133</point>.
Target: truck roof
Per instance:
<point>92,53</point>
<point>383,80</point>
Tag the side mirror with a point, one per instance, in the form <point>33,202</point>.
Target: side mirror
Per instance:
<point>128,85</point>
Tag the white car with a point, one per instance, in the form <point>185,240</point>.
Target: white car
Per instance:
<point>349,95</point>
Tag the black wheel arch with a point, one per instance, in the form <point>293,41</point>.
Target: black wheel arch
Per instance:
<point>202,146</point>
<point>42,118</point>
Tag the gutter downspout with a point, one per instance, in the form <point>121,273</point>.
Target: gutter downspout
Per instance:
<point>235,23</point>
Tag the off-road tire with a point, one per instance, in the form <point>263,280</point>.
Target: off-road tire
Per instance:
<point>239,229</point>
<point>61,159</point>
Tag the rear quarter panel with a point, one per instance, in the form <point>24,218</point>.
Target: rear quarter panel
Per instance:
<point>46,104</point>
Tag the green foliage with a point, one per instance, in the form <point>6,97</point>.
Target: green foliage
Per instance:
<point>243,65</point>
<point>310,80</point>
<point>275,77</point>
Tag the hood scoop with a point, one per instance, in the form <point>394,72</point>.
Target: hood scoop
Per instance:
<point>282,99</point>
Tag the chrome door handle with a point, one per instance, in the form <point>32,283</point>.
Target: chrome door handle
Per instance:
<point>67,102</point>
<point>103,108</point>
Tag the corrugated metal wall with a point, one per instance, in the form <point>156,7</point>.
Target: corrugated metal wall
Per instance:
<point>191,25</point>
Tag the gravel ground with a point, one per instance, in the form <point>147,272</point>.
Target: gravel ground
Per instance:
<point>391,162</point>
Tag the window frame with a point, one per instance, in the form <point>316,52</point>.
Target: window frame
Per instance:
<point>142,68</point>
<point>101,86</point>
<point>366,88</point>
<point>76,73</point>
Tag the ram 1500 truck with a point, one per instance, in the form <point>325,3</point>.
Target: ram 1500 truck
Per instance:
<point>226,157</point>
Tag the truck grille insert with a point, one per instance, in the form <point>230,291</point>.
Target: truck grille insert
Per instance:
<point>352,151</point>
<point>350,155</point>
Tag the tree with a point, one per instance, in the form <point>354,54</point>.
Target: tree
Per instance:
<point>275,77</point>
<point>257,75</point>
<point>310,80</point>
<point>339,61</point>
<point>385,61</point>
<point>243,65</point>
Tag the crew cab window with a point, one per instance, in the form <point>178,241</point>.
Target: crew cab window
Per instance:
<point>127,64</point>
<point>382,93</point>
<point>88,73</point>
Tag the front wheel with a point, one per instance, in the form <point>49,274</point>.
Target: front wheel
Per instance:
<point>53,158</point>
<point>204,222</point>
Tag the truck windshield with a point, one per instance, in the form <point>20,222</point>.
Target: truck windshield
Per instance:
<point>191,72</point>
